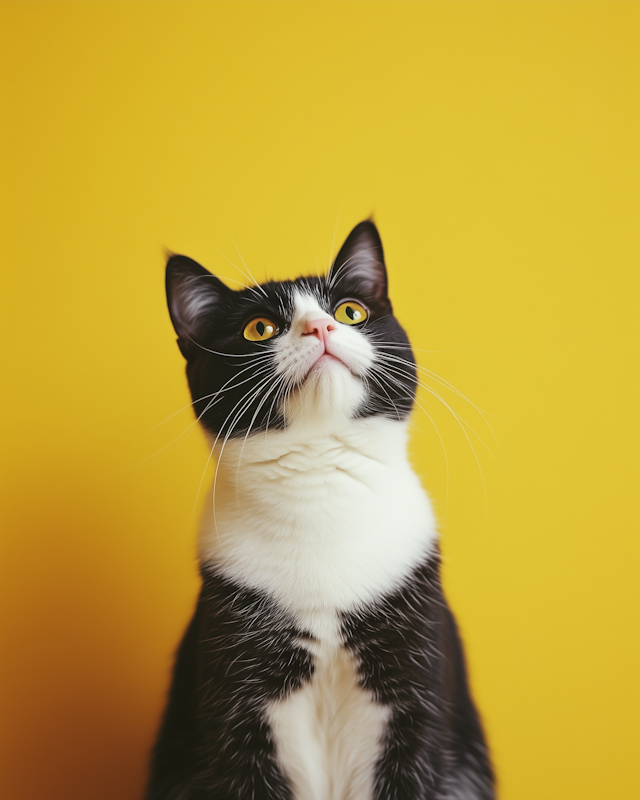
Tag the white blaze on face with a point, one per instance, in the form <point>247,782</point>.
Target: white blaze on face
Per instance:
<point>325,368</point>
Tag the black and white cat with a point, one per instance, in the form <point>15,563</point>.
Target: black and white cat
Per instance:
<point>322,661</point>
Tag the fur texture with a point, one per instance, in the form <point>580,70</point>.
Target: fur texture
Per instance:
<point>322,662</point>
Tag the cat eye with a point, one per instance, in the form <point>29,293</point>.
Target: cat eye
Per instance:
<point>351,313</point>
<point>260,329</point>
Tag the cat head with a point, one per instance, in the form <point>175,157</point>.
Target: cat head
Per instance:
<point>312,351</point>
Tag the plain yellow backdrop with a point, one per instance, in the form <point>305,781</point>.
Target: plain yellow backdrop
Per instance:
<point>497,144</point>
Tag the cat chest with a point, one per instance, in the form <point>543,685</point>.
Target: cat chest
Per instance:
<point>329,733</point>
<point>320,538</point>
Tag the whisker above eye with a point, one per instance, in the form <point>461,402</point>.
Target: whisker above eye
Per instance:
<point>257,286</point>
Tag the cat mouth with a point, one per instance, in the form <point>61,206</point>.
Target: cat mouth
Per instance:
<point>326,360</point>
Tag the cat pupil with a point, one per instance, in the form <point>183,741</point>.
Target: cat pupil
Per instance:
<point>352,313</point>
<point>260,328</point>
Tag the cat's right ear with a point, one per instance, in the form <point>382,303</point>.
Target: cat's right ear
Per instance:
<point>193,295</point>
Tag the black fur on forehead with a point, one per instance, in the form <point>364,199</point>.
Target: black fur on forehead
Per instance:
<point>233,382</point>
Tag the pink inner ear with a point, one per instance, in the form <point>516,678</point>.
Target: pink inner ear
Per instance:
<point>361,259</point>
<point>189,304</point>
<point>192,294</point>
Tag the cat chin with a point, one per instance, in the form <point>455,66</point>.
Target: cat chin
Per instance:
<point>325,361</point>
<point>330,394</point>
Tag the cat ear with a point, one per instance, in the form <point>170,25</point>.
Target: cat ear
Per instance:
<point>360,263</point>
<point>193,296</point>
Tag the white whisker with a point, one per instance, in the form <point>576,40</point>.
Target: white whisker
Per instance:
<point>335,231</point>
<point>381,385</point>
<point>230,355</point>
<point>216,397</point>
<point>251,396</point>
<point>279,381</point>
<point>183,408</point>
<point>463,425</point>
<point>432,391</point>
<point>257,286</point>
<point>246,405</point>
<point>399,385</point>
<point>442,382</point>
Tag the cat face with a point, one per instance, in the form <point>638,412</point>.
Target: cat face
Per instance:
<point>304,352</point>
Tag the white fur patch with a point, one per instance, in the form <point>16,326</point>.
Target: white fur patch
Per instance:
<point>329,733</point>
<point>322,523</point>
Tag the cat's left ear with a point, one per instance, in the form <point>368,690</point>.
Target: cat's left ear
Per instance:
<point>359,265</point>
<point>194,297</point>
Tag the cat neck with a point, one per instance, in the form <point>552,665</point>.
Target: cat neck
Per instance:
<point>284,459</point>
<point>324,520</point>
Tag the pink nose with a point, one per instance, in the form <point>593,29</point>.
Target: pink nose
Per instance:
<point>319,328</point>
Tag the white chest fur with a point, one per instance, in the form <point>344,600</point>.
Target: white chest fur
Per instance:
<point>323,522</point>
<point>329,733</point>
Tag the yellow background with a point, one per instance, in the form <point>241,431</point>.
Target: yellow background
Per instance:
<point>497,145</point>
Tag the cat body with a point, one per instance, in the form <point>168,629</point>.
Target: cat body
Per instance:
<point>322,662</point>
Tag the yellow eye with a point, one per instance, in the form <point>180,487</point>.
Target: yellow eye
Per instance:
<point>351,313</point>
<point>260,329</point>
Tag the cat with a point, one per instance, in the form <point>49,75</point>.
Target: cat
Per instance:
<point>322,661</point>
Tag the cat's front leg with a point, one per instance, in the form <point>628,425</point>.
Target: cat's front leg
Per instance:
<point>250,655</point>
<point>240,653</point>
<point>410,659</point>
<point>413,763</point>
<point>396,644</point>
